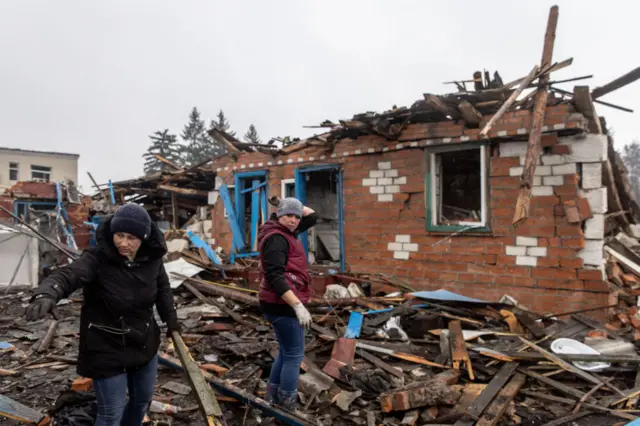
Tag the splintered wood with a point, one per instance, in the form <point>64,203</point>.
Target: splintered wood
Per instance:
<point>540,104</point>
<point>459,352</point>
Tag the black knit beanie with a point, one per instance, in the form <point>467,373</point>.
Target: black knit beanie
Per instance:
<point>132,219</point>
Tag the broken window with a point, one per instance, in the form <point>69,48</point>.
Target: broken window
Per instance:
<point>13,171</point>
<point>288,188</point>
<point>232,196</point>
<point>456,188</point>
<point>40,173</point>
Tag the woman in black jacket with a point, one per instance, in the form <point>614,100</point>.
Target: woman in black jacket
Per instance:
<point>122,278</point>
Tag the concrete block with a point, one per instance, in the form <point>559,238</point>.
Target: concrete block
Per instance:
<point>385,181</point>
<point>589,149</point>
<point>542,191</point>
<point>384,165</point>
<point>391,173</point>
<point>542,171</point>
<point>552,160</point>
<point>594,227</point>
<point>527,241</point>
<point>597,199</point>
<point>409,247</point>
<point>376,173</point>
<point>565,169</point>
<point>369,182</point>
<point>376,189</point>
<point>513,149</point>
<point>392,189</point>
<point>537,251</point>
<point>515,251</point>
<point>537,180</point>
<point>400,181</point>
<point>553,180</point>
<point>401,255</point>
<point>394,246</point>
<point>515,171</point>
<point>526,261</point>
<point>592,253</point>
<point>591,175</point>
<point>385,198</point>
<point>402,238</point>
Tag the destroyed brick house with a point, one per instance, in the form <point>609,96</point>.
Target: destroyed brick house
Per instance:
<point>428,194</point>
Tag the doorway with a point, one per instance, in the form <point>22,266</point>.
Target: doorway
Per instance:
<point>320,188</point>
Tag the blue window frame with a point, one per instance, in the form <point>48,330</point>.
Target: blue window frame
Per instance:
<point>244,183</point>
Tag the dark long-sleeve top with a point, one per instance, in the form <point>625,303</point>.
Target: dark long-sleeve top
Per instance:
<point>275,253</point>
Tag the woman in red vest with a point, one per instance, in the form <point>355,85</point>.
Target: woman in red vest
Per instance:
<point>284,290</point>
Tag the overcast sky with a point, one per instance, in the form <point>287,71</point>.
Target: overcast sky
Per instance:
<point>96,78</point>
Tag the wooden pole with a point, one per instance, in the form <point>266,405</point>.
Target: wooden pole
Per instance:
<point>523,84</point>
<point>540,104</point>
<point>174,211</point>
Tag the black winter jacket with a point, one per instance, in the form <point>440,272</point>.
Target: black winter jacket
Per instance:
<point>118,330</point>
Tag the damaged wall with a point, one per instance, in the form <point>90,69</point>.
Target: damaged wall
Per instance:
<point>546,263</point>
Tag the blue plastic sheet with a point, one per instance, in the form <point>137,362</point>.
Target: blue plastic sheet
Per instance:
<point>446,296</point>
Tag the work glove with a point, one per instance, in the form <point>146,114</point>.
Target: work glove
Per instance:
<point>40,306</point>
<point>173,325</point>
<point>304,317</point>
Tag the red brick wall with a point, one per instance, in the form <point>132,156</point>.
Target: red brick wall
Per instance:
<point>473,265</point>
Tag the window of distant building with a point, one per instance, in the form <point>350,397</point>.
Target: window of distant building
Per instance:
<point>13,171</point>
<point>40,173</point>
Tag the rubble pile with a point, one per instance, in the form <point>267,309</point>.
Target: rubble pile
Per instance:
<point>402,358</point>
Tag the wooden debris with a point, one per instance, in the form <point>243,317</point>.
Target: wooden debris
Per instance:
<point>428,393</point>
<point>533,146</point>
<point>459,352</point>
<point>470,115</point>
<point>498,407</point>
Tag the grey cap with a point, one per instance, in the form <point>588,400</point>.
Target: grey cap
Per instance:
<point>289,206</point>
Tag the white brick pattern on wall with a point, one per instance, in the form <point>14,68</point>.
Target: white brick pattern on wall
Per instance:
<point>384,182</point>
<point>402,247</point>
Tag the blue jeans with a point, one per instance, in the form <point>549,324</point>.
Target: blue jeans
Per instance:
<point>111,395</point>
<point>286,368</point>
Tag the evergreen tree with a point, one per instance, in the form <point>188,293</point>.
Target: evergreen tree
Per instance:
<point>222,124</point>
<point>166,145</point>
<point>631,159</point>
<point>195,139</point>
<point>252,135</point>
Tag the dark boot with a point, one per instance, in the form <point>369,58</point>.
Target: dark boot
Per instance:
<point>287,400</point>
<point>271,396</point>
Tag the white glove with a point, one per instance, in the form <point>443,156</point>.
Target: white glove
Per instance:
<point>304,317</point>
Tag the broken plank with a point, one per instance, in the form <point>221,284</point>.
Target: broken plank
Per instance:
<point>242,396</point>
<point>619,82</point>
<point>568,390</point>
<point>204,394</point>
<point>561,363</point>
<point>552,398</point>
<point>540,103</point>
<point>470,115</point>
<point>568,419</point>
<point>505,106</point>
<point>496,410</point>
<point>380,363</point>
<point>183,191</point>
<point>530,324</point>
<point>459,353</point>
<point>478,406</point>
<point>16,411</point>
<point>439,105</point>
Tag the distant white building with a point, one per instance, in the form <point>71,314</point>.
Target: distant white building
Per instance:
<point>25,165</point>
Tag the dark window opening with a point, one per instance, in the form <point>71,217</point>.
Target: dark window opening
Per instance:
<point>40,173</point>
<point>322,196</point>
<point>13,171</point>
<point>459,187</point>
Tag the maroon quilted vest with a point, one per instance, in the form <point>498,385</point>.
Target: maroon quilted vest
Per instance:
<point>296,271</point>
